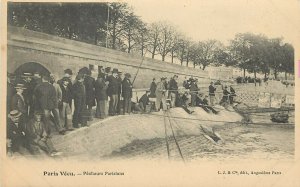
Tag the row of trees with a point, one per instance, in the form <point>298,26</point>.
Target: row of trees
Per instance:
<point>114,25</point>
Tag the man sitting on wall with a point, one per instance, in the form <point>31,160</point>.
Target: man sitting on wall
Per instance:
<point>203,103</point>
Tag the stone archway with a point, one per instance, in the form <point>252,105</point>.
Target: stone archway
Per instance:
<point>31,67</point>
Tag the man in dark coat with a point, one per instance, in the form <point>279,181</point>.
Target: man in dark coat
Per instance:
<point>37,134</point>
<point>45,95</point>
<point>89,83</point>
<point>16,137</point>
<point>120,92</point>
<point>153,89</point>
<point>79,95</point>
<point>193,91</point>
<point>113,91</point>
<point>35,81</point>
<point>66,100</point>
<point>18,102</point>
<point>173,90</point>
<point>127,93</point>
<point>211,90</point>
<point>203,103</point>
<point>182,102</point>
<point>101,86</point>
<point>232,95</point>
<point>67,76</point>
<point>144,101</point>
<point>225,99</point>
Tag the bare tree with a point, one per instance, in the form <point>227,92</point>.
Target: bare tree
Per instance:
<point>154,37</point>
<point>167,39</point>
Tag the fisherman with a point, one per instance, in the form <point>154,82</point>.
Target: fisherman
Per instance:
<point>211,91</point>
<point>193,91</point>
<point>173,90</point>
<point>38,135</point>
<point>182,102</point>
<point>65,109</point>
<point>101,95</point>
<point>232,95</point>
<point>144,101</point>
<point>203,103</point>
<point>153,87</point>
<point>225,99</point>
<point>127,93</point>
<point>113,91</point>
<point>161,95</point>
<point>79,95</point>
<point>89,83</point>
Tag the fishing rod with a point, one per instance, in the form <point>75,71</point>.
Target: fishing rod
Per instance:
<point>139,68</point>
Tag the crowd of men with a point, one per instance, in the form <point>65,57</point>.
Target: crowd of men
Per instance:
<point>36,101</point>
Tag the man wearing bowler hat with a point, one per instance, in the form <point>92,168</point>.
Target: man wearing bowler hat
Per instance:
<point>79,95</point>
<point>113,91</point>
<point>127,93</point>
<point>18,101</point>
<point>16,137</point>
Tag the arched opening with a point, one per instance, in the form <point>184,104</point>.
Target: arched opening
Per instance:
<point>31,67</point>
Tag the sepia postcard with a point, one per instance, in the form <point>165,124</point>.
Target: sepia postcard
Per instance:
<point>150,93</point>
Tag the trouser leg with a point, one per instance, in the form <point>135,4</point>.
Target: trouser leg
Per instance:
<point>98,109</point>
<point>164,103</point>
<point>57,123</point>
<point>173,99</point>
<point>157,102</point>
<point>102,108</point>
<point>193,99</point>
<point>47,121</point>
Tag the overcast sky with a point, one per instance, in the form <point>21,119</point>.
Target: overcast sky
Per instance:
<point>222,19</point>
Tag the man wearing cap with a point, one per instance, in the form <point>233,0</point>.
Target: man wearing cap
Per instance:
<point>113,91</point>
<point>211,91</point>
<point>161,95</point>
<point>18,101</point>
<point>225,99</point>
<point>45,95</point>
<point>79,95</point>
<point>89,83</point>
<point>173,90</point>
<point>38,135</point>
<point>144,100</point>
<point>101,96</point>
<point>127,93</point>
<point>67,76</point>
<point>16,137</point>
<point>66,101</point>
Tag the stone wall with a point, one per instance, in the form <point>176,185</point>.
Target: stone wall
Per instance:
<point>57,54</point>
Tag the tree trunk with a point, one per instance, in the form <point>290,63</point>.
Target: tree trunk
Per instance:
<point>265,75</point>
<point>163,58</point>
<point>285,75</point>
<point>96,39</point>
<point>114,36</point>
<point>172,56</point>
<point>255,77</point>
<point>244,72</point>
<point>275,74</point>
<point>181,61</point>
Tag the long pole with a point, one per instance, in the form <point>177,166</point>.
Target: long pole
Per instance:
<point>139,68</point>
<point>106,43</point>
